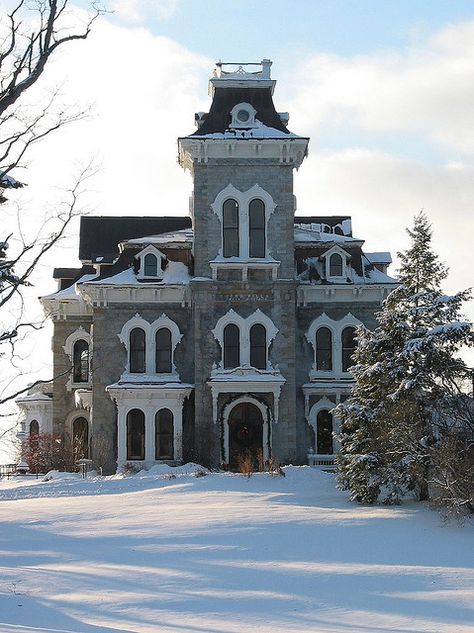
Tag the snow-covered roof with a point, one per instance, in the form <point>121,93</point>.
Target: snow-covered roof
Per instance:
<point>184,236</point>
<point>379,258</point>
<point>314,233</point>
<point>260,131</point>
<point>70,293</point>
<point>175,273</point>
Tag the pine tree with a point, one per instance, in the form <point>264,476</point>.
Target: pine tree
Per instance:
<point>403,372</point>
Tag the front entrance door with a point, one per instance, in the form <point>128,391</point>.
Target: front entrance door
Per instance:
<point>245,435</point>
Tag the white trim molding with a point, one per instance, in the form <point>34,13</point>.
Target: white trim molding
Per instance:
<point>244,325</point>
<point>243,198</point>
<point>150,250</point>
<point>327,264</point>
<point>336,328</point>
<point>78,335</point>
<point>150,330</point>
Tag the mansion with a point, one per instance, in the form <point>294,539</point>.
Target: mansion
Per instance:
<point>216,337</point>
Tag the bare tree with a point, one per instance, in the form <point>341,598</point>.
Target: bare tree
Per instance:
<point>29,36</point>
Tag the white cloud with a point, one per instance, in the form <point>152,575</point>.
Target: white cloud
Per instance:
<point>141,10</point>
<point>429,90</point>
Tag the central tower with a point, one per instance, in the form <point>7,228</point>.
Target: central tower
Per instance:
<point>242,158</point>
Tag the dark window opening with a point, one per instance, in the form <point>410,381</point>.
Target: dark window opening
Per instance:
<point>163,351</point>
<point>135,434</point>
<point>348,347</point>
<point>164,434</point>
<point>34,427</point>
<point>80,438</point>
<point>324,349</point>
<point>151,265</point>
<point>258,346</point>
<point>335,265</point>
<point>137,351</point>
<point>80,360</point>
<point>230,228</point>
<point>231,346</point>
<point>324,443</point>
<point>257,228</point>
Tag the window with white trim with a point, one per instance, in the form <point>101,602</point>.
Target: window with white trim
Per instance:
<point>164,434</point>
<point>163,351</point>
<point>150,263</point>
<point>348,347</point>
<point>230,228</point>
<point>324,433</point>
<point>135,434</point>
<point>80,362</point>
<point>323,349</point>
<point>137,351</point>
<point>231,346</point>
<point>333,345</point>
<point>257,228</point>
<point>258,346</point>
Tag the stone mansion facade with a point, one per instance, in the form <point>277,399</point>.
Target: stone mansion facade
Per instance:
<point>219,335</point>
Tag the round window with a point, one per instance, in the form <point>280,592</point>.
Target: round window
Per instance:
<point>243,115</point>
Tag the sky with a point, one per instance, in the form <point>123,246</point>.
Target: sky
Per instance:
<point>384,89</point>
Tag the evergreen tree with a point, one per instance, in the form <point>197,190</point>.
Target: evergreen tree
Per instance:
<point>403,372</point>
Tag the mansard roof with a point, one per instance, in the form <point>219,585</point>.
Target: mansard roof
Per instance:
<point>100,235</point>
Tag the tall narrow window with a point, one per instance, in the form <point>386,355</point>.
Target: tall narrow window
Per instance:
<point>324,445</point>
<point>335,265</point>
<point>80,360</point>
<point>164,434</point>
<point>231,346</point>
<point>151,265</point>
<point>230,228</point>
<point>135,434</point>
<point>258,346</point>
<point>80,438</point>
<point>163,351</point>
<point>348,347</point>
<point>257,228</point>
<point>34,427</point>
<point>324,349</point>
<point>137,351</point>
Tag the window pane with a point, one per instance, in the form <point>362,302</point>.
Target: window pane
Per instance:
<point>80,438</point>
<point>324,349</point>
<point>135,434</point>
<point>324,444</point>
<point>163,351</point>
<point>335,265</point>
<point>257,229</point>
<point>151,266</point>
<point>164,434</point>
<point>258,346</point>
<point>34,427</point>
<point>231,346</point>
<point>348,347</point>
<point>231,229</point>
<point>81,361</point>
<point>137,351</point>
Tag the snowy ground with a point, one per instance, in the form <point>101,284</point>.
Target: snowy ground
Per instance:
<point>226,554</point>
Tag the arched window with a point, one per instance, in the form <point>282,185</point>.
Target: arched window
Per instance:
<point>80,438</point>
<point>231,346</point>
<point>164,434</point>
<point>135,434</point>
<point>256,228</point>
<point>34,427</point>
<point>348,347</point>
<point>163,351</point>
<point>137,351</point>
<point>324,445</point>
<point>230,228</point>
<point>80,360</point>
<point>151,265</point>
<point>324,349</point>
<point>335,265</point>
<point>258,346</point>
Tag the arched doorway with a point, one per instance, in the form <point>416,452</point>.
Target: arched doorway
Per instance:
<point>245,435</point>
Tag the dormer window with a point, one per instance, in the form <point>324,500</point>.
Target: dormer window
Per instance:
<point>335,265</point>
<point>150,259</point>
<point>243,116</point>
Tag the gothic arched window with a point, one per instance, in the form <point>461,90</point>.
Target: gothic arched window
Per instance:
<point>151,265</point>
<point>135,434</point>
<point>137,351</point>
<point>164,434</point>
<point>348,347</point>
<point>258,346</point>
<point>80,438</point>
<point>335,265</point>
<point>231,346</point>
<point>80,361</point>
<point>230,228</point>
<point>34,427</point>
<point>257,228</point>
<point>324,349</point>
<point>163,351</point>
<point>324,445</point>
